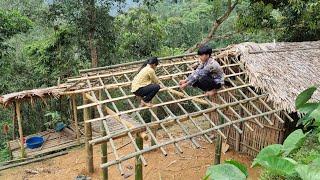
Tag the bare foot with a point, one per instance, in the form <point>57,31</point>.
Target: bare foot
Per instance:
<point>142,104</point>
<point>211,93</point>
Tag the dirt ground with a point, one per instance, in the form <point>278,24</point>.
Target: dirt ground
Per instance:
<point>192,164</point>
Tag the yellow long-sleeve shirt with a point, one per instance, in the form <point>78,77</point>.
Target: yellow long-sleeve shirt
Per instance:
<point>145,77</point>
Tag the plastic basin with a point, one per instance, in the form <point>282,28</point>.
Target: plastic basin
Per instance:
<point>34,142</point>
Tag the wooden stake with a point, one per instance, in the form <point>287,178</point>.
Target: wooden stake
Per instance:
<point>75,117</point>
<point>88,137</point>
<point>138,166</point>
<point>18,112</point>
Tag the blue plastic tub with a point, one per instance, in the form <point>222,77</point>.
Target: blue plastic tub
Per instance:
<point>34,142</point>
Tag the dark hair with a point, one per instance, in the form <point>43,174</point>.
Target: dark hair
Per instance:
<point>152,60</point>
<point>205,50</point>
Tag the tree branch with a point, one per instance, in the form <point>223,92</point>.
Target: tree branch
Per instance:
<point>215,25</point>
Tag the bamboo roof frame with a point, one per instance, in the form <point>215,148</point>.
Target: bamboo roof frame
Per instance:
<point>108,80</point>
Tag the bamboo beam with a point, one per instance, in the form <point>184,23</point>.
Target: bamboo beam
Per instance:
<point>18,112</point>
<point>198,100</point>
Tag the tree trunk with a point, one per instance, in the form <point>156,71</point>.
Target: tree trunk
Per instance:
<point>215,25</point>
<point>91,12</point>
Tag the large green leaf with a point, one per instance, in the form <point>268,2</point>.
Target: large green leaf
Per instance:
<point>316,113</point>
<point>269,151</point>
<point>309,172</point>
<point>242,167</point>
<point>304,96</point>
<point>293,141</point>
<point>308,107</point>
<point>278,165</point>
<point>225,172</point>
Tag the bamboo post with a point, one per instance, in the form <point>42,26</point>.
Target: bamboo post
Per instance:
<point>75,117</point>
<point>14,121</point>
<point>138,165</point>
<point>88,137</point>
<point>154,131</point>
<point>104,148</point>
<point>18,112</point>
<point>217,155</point>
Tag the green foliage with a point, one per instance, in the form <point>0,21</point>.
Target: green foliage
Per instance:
<point>293,141</point>
<point>12,22</point>
<point>304,96</point>
<point>310,171</point>
<point>240,166</point>
<point>274,150</point>
<point>294,159</point>
<point>311,110</point>
<point>138,33</point>
<point>291,20</point>
<point>55,118</point>
<point>224,171</point>
<point>231,169</point>
<point>53,56</point>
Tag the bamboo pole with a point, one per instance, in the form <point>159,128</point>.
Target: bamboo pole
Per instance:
<point>138,163</point>
<point>18,112</point>
<point>88,137</point>
<point>14,121</point>
<point>75,117</point>
<point>104,148</point>
<point>154,131</point>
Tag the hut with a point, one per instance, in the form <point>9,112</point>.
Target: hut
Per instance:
<point>249,112</point>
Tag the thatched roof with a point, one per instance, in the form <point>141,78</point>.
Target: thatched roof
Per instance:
<point>282,70</point>
<point>29,94</point>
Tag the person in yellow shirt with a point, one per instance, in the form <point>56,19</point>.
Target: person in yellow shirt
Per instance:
<point>146,84</point>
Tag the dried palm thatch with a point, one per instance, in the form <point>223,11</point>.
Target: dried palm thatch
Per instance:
<point>282,70</point>
<point>29,94</point>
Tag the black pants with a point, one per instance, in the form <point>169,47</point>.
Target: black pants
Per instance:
<point>207,83</point>
<point>147,92</point>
